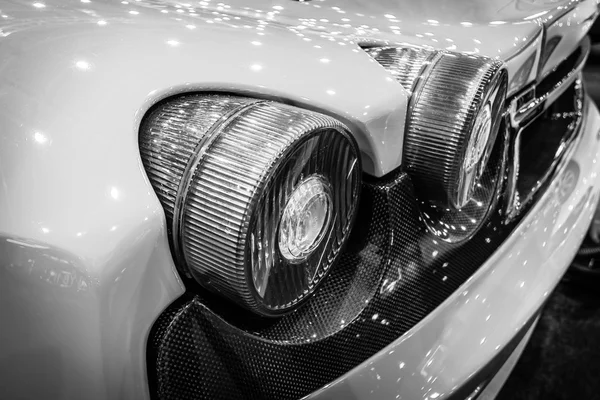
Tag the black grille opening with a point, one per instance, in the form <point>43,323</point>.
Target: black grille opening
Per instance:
<point>544,141</point>
<point>560,72</point>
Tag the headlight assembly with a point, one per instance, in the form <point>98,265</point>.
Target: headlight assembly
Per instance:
<point>260,196</point>
<point>455,115</point>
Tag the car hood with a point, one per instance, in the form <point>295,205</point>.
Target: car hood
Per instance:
<point>494,28</point>
<point>498,28</point>
<point>509,30</point>
<point>303,53</point>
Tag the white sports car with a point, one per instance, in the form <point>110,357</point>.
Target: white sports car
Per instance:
<point>278,199</point>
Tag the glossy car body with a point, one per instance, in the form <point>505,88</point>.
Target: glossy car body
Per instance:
<point>85,265</point>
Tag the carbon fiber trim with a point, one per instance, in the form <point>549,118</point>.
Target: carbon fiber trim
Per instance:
<point>197,354</point>
<point>393,272</point>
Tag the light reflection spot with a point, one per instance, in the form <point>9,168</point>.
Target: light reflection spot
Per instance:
<point>40,137</point>
<point>82,65</point>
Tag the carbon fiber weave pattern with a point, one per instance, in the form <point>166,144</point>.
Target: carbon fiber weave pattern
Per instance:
<point>392,274</point>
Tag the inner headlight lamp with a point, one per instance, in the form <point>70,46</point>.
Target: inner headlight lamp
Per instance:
<point>259,196</point>
<point>305,219</point>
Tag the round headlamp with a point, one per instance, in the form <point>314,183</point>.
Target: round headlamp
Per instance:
<point>260,196</point>
<point>451,151</point>
<point>455,113</point>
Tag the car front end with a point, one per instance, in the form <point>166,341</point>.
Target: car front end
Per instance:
<point>286,199</point>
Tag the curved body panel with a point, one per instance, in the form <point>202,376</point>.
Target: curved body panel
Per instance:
<point>147,55</point>
<point>301,53</point>
<point>77,325</point>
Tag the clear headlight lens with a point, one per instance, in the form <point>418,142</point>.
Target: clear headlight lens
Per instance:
<point>481,133</point>
<point>305,219</point>
<point>260,199</point>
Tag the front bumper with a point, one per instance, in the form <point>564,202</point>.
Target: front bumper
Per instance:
<point>454,343</point>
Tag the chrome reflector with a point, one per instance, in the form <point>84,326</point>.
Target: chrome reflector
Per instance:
<point>533,100</point>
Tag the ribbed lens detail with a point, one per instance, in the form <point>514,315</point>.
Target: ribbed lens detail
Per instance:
<point>441,120</point>
<point>406,64</point>
<point>454,117</point>
<point>233,185</point>
<point>171,134</point>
